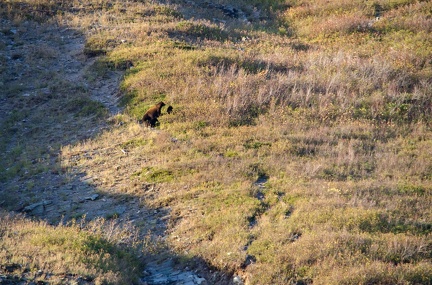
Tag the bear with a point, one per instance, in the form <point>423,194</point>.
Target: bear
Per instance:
<point>150,117</point>
<point>170,109</point>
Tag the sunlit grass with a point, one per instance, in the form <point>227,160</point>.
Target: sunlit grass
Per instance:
<point>73,250</point>
<point>333,110</point>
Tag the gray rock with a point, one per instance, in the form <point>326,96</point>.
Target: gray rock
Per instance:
<point>165,273</point>
<point>90,198</point>
<point>237,280</point>
<point>199,281</point>
<point>120,210</point>
<point>37,208</point>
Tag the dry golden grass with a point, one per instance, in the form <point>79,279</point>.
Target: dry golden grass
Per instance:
<point>335,119</point>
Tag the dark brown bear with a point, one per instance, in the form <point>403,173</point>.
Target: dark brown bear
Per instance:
<point>150,117</point>
<point>170,109</point>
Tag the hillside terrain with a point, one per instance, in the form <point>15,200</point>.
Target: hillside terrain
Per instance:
<point>299,150</point>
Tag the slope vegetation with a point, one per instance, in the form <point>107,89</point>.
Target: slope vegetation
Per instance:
<point>298,151</point>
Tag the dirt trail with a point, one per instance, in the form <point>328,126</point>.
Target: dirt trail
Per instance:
<point>43,64</point>
<point>46,63</point>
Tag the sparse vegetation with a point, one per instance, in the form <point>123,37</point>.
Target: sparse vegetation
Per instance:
<point>298,151</point>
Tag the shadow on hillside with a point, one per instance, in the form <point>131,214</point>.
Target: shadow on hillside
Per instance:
<point>225,13</point>
<point>41,111</point>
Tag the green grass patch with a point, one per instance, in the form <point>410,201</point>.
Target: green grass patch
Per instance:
<point>152,175</point>
<point>187,29</point>
<point>85,107</point>
<point>134,143</point>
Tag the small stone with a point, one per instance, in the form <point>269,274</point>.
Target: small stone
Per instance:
<point>237,280</point>
<point>92,197</point>
<point>146,273</point>
<point>199,281</point>
<point>250,259</point>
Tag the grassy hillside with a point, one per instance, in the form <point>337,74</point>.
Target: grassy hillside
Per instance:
<point>91,254</point>
<point>299,149</point>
